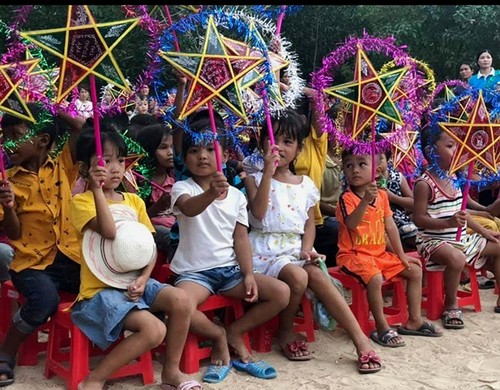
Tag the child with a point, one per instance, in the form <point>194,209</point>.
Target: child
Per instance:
<point>125,301</point>
<point>400,199</point>
<point>83,104</point>
<point>157,141</point>
<point>34,215</point>
<point>365,217</point>
<point>437,213</point>
<point>214,255</point>
<point>282,237</point>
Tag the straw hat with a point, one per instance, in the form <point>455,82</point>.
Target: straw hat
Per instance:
<point>119,262</point>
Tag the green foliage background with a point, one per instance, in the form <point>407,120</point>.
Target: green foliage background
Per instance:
<point>443,36</point>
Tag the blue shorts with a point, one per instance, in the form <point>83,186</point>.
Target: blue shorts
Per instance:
<point>215,280</point>
<point>101,317</point>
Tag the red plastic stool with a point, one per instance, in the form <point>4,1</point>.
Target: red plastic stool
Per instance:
<point>27,354</point>
<point>433,293</point>
<point>396,313</point>
<point>193,351</point>
<point>262,336</point>
<point>72,364</point>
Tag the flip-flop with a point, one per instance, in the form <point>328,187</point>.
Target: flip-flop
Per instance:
<point>215,373</point>
<point>426,329</point>
<point>188,385</point>
<point>453,314</point>
<point>295,346</point>
<point>484,283</point>
<point>367,358</point>
<point>385,338</point>
<point>259,369</point>
<point>497,309</point>
<point>7,364</point>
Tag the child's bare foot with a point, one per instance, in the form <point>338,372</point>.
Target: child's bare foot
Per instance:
<point>293,346</point>
<point>89,384</point>
<point>220,350</point>
<point>235,341</point>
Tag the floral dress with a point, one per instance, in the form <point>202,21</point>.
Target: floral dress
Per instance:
<point>276,240</point>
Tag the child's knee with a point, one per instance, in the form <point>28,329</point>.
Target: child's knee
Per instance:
<point>280,294</point>
<point>297,281</point>
<point>154,332</point>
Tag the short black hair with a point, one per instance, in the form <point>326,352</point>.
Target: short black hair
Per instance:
<point>199,122</point>
<point>53,127</point>
<point>150,138</point>
<point>85,144</point>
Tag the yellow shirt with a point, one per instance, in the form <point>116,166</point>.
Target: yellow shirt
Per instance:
<point>82,212</point>
<point>311,162</point>
<point>42,203</point>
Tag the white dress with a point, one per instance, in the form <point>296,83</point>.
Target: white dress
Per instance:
<point>276,240</point>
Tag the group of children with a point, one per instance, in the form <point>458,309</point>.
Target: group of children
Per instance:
<point>255,244</point>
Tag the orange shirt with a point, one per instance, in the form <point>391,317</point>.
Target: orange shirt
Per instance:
<point>42,204</point>
<point>369,236</point>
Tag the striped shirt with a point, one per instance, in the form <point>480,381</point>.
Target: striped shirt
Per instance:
<point>441,206</point>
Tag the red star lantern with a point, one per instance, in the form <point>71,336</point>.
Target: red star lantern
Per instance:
<point>476,138</point>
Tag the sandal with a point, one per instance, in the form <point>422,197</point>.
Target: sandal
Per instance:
<point>367,358</point>
<point>7,364</point>
<point>450,317</point>
<point>296,346</point>
<point>385,338</point>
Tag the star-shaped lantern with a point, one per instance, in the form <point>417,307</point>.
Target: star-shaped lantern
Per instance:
<point>476,138</point>
<point>370,93</point>
<point>39,81</point>
<point>85,47</point>
<point>403,150</point>
<point>461,113</point>
<point>214,73</point>
<point>11,79</point>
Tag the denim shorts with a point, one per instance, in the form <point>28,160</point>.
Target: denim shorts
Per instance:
<point>101,317</point>
<point>216,280</point>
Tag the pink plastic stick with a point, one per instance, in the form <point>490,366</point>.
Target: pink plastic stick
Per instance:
<point>176,42</point>
<point>214,130</point>
<point>97,126</point>
<point>280,20</point>
<point>465,196</point>
<point>153,184</point>
<point>374,157</point>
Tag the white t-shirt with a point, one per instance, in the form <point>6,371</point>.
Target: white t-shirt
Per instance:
<point>85,109</point>
<point>206,240</point>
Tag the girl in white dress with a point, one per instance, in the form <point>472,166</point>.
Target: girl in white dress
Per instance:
<point>282,236</point>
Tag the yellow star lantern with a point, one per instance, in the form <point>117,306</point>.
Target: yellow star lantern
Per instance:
<point>39,81</point>
<point>460,114</point>
<point>476,138</point>
<point>214,73</point>
<point>85,47</point>
<point>403,150</point>
<point>11,100</point>
<point>370,93</point>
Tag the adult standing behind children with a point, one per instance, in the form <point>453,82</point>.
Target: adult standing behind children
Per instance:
<point>213,215</point>
<point>35,216</point>
<point>437,213</point>
<point>365,218</point>
<point>486,78</point>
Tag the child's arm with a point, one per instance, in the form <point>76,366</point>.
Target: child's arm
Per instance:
<point>258,197</point>
<point>136,289</point>
<point>306,250</point>
<point>10,223</point>
<point>477,227</point>
<point>392,232</point>
<point>159,206</point>
<point>421,197</point>
<point>191,206</point>
<point>103,222</point>
<point>76,124</point>
<point>178,101</point>
<point>354,219</point>
<point>244,256</point>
